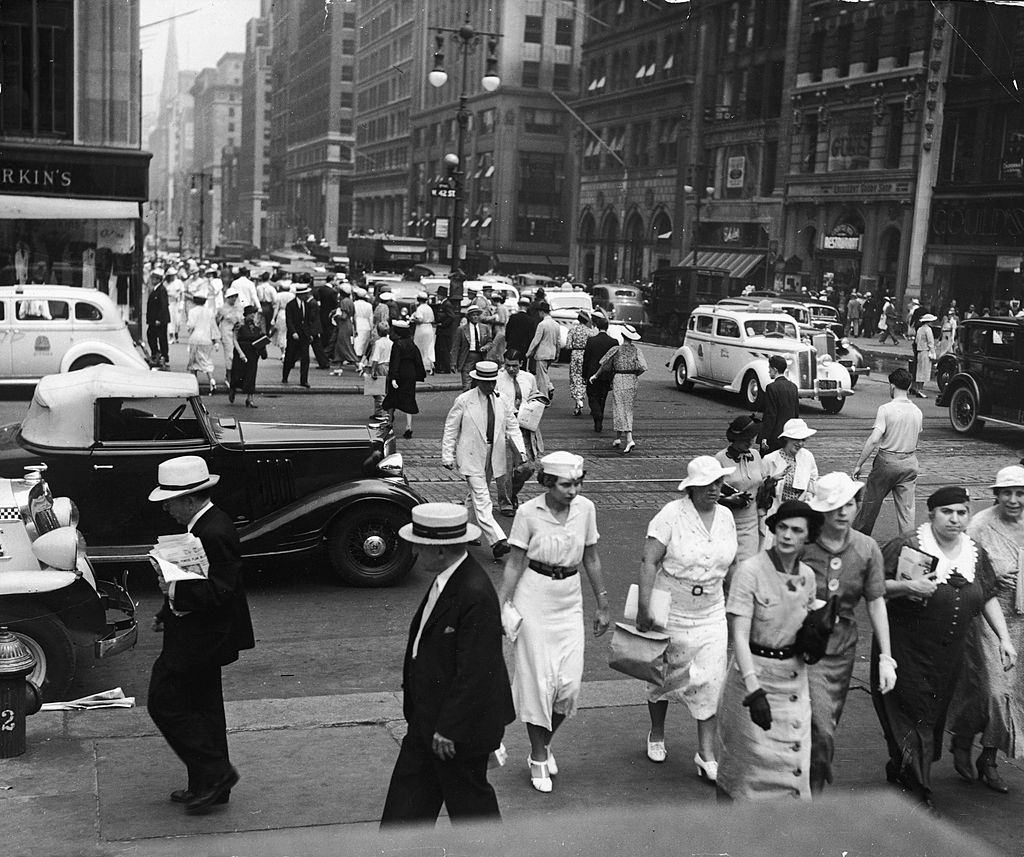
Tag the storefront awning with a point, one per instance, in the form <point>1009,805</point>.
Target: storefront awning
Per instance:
<point>737,264</point>
<point>404,248</point>
<point>53,208</point>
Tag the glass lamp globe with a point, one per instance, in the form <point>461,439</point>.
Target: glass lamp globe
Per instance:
<point>438,78</point>
<point>491,82</point>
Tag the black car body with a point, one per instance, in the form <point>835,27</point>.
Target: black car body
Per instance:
<point>989,386</point>
<point>290,489</point>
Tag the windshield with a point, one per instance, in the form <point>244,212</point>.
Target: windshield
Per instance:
<point>798,312</point>
<point>825,312</point>
<point>569,300</point>
<point>770,327</point>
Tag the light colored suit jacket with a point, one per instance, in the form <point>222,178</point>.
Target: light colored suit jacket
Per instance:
<point>465,435</point>
<point>545,340</point>
<point>506,389</point>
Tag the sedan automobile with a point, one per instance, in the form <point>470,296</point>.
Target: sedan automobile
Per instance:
<point>291,489</point>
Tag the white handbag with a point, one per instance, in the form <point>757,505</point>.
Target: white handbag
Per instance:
<point>530,413</point>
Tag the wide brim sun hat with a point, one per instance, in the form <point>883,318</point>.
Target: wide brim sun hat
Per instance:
<point>703,470</point>
<point>833,491</point>
<point>797,429</point>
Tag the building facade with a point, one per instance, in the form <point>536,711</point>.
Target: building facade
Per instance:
<point>858,178</point>
<point>254,144</point>
<point>217,98</point>
<point>312,141</point>
<point>73,175</point>
<point>385,71</point>
<point>975,227</point>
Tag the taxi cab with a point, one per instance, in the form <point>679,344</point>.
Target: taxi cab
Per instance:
<point>727,347</point>
<point>46,329</point>
<point>50,595</point>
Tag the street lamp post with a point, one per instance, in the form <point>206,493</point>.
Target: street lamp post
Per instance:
<point>466,40</point>
<point>700,189</point>
<point>156,206</point>
<point>201,183</point>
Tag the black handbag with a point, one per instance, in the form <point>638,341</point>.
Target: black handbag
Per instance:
<point>766,493</point>
<point>812,638</point>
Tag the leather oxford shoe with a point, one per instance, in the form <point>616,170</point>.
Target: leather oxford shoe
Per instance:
<point>185,795</point>
<point>209,795</point>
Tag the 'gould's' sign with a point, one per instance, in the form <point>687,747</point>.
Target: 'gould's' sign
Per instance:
<point>990,222</point>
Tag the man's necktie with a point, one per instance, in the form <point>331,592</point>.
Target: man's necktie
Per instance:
<point>427,608</point>
<point>490,420</point>
<point>519,392</point>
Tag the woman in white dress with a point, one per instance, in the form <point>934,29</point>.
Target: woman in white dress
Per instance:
<point>924,351</point>
<point>284,294</point>
<point>690,545</point>
<point>229,316</point>
<point>423,336</point>
<point>949,325</point>
<point>553,536</point>
<point>793,467</point>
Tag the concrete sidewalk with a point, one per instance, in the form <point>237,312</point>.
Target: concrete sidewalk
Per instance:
<point>315,772</point>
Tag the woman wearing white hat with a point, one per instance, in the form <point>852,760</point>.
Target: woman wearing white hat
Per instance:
<point>553,536</point>
<point>625,363</point>
<point>792,466</point>
<point>924,351</point>
<point>424,334</point>
<point>229,317</point>
<point>988,699</point>
<point>690,546</point>
<point>849,565</point>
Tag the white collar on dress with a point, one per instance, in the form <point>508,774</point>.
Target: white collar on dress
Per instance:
<point>963,564</point>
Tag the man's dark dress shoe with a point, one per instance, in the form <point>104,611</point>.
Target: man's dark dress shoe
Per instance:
<point>185,795</point>
<point>203,800</point>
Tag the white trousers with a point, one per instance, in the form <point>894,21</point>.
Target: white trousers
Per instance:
<point>479,506</point>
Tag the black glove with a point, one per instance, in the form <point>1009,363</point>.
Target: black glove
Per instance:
<point>760,710</point>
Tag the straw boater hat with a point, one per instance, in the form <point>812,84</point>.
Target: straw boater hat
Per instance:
<point>185,474</point>
<point>474,309</point>
<point>439,524</point>
<point>1009,477</point>
<point>703,470</point>
<point>562,465</point>
<point>924,319</point>
<point>833,491</point>
<point>629,332</point>
<point>797,429</point>
<point>485,370</point>
<point>387,296</point>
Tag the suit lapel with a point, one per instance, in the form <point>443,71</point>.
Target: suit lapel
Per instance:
<point>446,600</point>
<point>476,413</point>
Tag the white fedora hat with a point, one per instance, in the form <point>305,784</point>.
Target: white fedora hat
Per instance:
<point>439,524</point>
<point>703,470</point>
<point>302,288</point>
<point>1009,477</point>
<point>485,370</point>
<point>797,429</point>
<point>833,491</point>
<point>185,474</point>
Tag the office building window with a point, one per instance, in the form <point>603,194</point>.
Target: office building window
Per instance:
<point>36,67</point>
<point>810,159</point>
<point>894,137</point>
<point>533,29</point>
<point>640,145</point>
<point>904,36</point>
<point>531,74</point>
<point>844,38</point>
<point>541,121</point>
<point>563,31</point>
<point>872,38</point>
<point>563,77</point>
<point>817,57</point>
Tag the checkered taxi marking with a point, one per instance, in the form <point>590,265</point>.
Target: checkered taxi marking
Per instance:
<point>10,513</point>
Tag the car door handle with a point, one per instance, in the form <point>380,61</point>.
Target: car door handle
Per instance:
<point>103,467</point>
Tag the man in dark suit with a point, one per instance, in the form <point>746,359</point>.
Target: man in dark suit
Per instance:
<point>781,402</point>
<point>327,299</point>
<point>457,700</point>
<point>520,329</point>
<point>206,623</point>
<point>446,315</point>
<point>471,343</point>
<point>597,390</point>
<point>302,320</point>
<point>158,317</point>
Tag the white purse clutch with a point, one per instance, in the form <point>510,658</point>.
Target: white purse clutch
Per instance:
<point>511,619</point>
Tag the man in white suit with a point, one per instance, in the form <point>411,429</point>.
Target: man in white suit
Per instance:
<point>476,432</point>
<point>516,387</point>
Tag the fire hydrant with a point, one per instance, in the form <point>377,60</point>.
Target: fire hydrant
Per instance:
<point>19,697</point>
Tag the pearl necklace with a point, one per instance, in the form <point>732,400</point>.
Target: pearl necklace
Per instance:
<point>963,564</point>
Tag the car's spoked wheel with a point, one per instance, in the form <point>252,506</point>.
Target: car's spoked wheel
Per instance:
<point>365,548</point>
<point>963,412</point>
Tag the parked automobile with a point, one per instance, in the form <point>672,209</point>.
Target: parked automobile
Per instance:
<point>989,384</point>
<point>50,595</point>
<point>290,489</point>
<point>47,328</point>
<point>621,302</point>
<point>825,316</point>
<point>727,346</point>
<point>851,357</point>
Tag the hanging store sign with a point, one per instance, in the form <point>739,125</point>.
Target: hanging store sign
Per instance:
<point>984,222</point>
<point>737,171</point>
<point>68,171</point>
<point>844,237</point>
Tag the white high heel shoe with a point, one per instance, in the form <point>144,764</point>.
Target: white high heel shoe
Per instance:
<point>706,770</point>
<point>540,775</point>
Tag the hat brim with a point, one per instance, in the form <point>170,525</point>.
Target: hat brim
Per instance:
<point>158,494</point>
<point>851,491</point>
<point>473,374</point>
<point>632,337</point>
<point>702,481</point>
<point>749,432</point>
<point>803,435</point>
<point>472,534</point>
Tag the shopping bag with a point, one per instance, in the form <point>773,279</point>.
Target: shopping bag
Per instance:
<point>640,654</point>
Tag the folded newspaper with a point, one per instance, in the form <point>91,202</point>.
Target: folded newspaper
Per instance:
<point>180,557</point>
<point>106,699</point>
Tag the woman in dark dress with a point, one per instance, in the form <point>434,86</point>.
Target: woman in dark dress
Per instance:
<point>929,616</point>
<point>248,336</point>
<point>404,370</point>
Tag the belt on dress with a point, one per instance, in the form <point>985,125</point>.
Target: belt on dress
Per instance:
<point>555,572</point>
<point>782,653</point>
<point>899,454</point>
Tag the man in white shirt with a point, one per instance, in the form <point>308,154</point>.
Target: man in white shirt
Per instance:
<point>516,387</point>
<point>247,295</point>
<point>544,348</point>
<point>895,433</point>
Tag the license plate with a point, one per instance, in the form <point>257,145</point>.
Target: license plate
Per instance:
<point>828,385</point>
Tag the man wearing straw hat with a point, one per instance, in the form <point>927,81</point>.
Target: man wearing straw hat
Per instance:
<point>206,623</point>
<point>476,432</point>
<point>456,694</point>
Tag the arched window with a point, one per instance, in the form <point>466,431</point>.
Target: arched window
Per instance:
<point>609,269</point>
<point>588,229</point>
<point>632,268</point>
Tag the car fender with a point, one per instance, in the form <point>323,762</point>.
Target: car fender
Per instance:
<point>759,366</point>
<point>116,355</point>
<point>75,603</point>
<point>836,371</point>
<point>962,379</point>
<point>301,525</point>
<point>684,353</point>
<point>34,581</point>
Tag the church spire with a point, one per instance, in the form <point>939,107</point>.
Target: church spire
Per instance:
<point>169,89</point>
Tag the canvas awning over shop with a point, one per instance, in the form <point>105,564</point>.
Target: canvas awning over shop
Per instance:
<point>53,208</point>
<point>738,265</point>
<point>404,248</point>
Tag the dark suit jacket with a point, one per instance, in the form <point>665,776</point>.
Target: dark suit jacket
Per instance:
<point>597,346</point>
<point>781,402</point>
<point>307,328</point>
<point>217,625</point>
<point>458,685</point>
<point>157,307</point>
<point>460,349</point>
<point>519,331</point>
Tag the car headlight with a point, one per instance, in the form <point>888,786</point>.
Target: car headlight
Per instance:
<point>58,548</point>
<point>66,511</point>
<point>391,465</point>
<point>825,359</point>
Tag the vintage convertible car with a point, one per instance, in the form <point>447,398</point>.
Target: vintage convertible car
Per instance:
<point>291,489</point>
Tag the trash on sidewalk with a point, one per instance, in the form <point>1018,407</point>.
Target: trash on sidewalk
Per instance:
<point>105,699</point>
